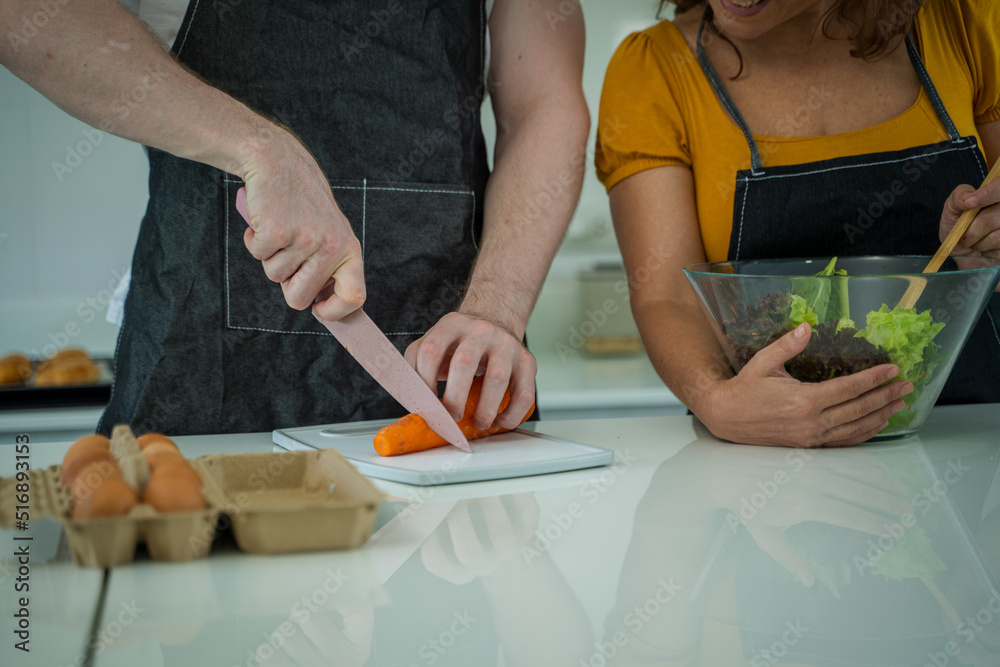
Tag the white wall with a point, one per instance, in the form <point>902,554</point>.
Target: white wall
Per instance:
<point>67,234</point>
<point>65,237</point>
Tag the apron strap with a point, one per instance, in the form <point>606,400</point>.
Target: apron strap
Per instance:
<point>932,93</point>
<point>756,165</point>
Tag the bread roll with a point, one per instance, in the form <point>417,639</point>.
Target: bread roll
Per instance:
<point>14,369</point>
<point>68,357</point>
<point>68,374</point>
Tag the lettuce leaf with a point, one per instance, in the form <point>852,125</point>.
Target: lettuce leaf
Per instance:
<point>802,312</point>
<point>817,292</point>
<point>908,338</point>
<point>904,334</point>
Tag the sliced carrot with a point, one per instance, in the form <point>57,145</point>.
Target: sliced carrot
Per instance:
<point>412,434</point>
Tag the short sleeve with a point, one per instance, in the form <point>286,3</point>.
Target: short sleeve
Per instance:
<point>640,125</point>
<point>982,28</point>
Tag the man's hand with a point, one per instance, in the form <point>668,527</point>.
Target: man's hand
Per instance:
<point>297,230</point>
<point>542,124</point>
<point>460,347</point>
<point>763,405</point>
<point>300,234</point>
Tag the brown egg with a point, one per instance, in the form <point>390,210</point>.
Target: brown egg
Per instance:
<point>173,492</point>
<point>71,469</point>
<point>84,444</point>
<point>169,468</point>
<point>112,497</point>
<point>159,446</point>
<point>93,475</point>
<point>149,438</point>
<point>158,458</point>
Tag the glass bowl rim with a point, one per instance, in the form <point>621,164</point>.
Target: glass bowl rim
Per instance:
<point>692,269</point>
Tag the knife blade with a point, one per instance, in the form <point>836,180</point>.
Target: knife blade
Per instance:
<point>369,346</point>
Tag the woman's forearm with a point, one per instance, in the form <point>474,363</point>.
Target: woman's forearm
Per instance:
<point>669,327</point>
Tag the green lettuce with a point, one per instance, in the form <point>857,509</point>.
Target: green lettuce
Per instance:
<point>817,294</point>
<point>908,338</point>
<point>802,312</point>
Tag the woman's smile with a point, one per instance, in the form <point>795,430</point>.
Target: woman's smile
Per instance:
<point>743,8</point>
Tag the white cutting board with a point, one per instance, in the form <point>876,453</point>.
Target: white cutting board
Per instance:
<point>518,453</point>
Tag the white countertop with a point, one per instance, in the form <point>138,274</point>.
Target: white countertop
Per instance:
<point>582,383</point>
<point>647,559</point>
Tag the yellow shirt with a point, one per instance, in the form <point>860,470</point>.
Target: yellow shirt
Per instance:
<point>658,109</point>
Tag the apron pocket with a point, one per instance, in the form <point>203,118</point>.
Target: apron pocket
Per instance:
<point>418,243</point>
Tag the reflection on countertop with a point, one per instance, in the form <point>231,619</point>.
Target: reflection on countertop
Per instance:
<point>877,555</point>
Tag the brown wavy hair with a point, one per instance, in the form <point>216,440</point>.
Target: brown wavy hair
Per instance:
<point>880,22</point>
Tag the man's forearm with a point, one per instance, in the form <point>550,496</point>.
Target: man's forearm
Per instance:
<point>531,196</point>
<point>97,62</point>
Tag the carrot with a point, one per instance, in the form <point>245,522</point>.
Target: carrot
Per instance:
<point>412,434</point>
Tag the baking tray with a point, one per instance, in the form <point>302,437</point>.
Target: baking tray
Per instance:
<point>518,453</point>
<point>24,396</point>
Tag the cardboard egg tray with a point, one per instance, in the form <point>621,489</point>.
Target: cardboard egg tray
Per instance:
<point>276,503</point>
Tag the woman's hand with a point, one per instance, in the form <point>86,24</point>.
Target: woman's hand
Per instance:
<point>980,245</point>
<point>764,405</point>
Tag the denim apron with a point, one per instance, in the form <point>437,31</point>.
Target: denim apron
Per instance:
<point>386,96</point>
<point>886,203</point>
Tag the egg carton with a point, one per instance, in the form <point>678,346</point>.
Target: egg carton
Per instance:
<point>275,502</point>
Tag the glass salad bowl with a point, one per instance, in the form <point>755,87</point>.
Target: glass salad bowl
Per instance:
<point>851,304</point>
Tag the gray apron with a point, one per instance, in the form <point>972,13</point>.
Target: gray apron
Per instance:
<point>387,97</point>
<point>818,209</point>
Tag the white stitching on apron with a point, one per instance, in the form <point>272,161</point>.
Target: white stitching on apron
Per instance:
<point>482,38</point>
<point>184,41</point>
<point>225,192</point>
<point>114,376</point>
<point>229,180</point>
<point>743,208</point>
<point>473,223</point>
<point>364,216</point>
<point>388,188</point>
<point>996,333</point>
<point>852,166</point>
<point>321,333</point>
<point>760,177</point>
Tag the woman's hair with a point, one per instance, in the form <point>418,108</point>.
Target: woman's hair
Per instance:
<point>879,22</point>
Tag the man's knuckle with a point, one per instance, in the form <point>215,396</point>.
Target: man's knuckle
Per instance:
<point>428,349</point>
<point>464,359</point>
<point>498,373</point>
<point>278,237</point>
<point>483,329</point>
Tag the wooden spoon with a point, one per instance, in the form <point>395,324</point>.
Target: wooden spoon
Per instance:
<point>917,285</point>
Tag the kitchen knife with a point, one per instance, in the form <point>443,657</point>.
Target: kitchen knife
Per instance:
<point>369,346</point>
